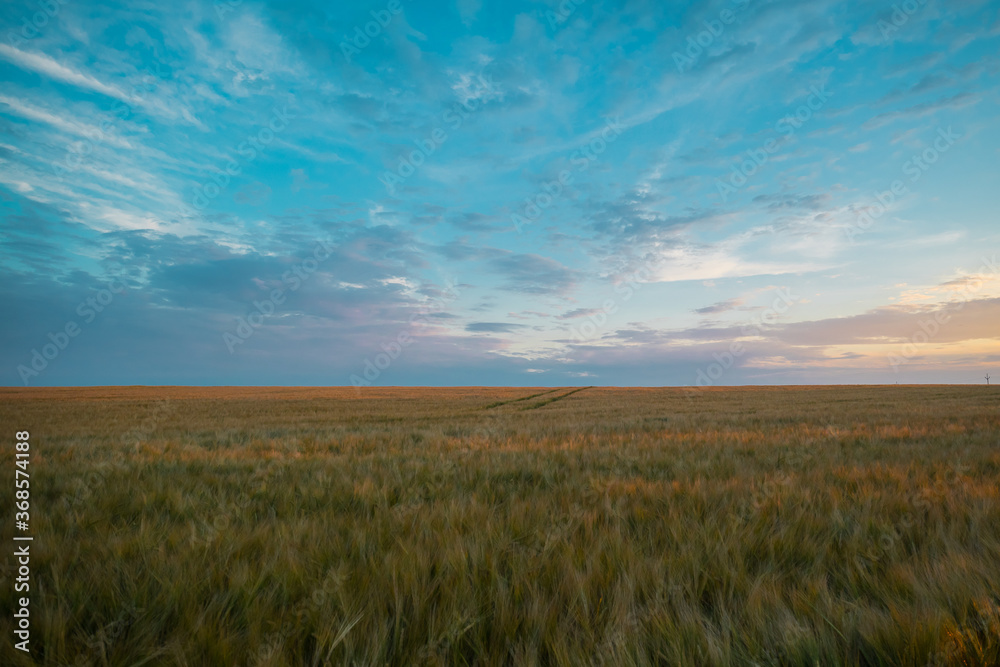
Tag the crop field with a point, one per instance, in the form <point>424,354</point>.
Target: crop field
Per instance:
<point>508,526</point>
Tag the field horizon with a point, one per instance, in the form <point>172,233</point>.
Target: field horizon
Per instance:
<point>236,389</point>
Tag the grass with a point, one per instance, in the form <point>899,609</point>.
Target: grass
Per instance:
<point>273,526</point>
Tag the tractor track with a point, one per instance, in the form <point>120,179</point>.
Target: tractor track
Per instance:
<point>554,399</point>
<point>518,400</point>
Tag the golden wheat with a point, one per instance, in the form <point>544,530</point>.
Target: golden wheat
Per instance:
<point>273,526</point>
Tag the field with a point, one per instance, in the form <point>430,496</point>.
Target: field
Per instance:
<point>273,526</point>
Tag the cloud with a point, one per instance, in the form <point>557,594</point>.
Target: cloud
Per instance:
<point>720,307</point>
<point>972,320</point>
<point>578,313</point>
<point>468,10</point>
<point>474,222</point>
<point>254,194</point>
<point>492,327</point>
<point>66,125</point>
<point>814,202</point>
<point>648,199</point>
<point>927,83</point>
<point>52,68</point>
<point>534,274</point>
<point>957,101</point>
<point>691,262</point>
<point>631,218</point>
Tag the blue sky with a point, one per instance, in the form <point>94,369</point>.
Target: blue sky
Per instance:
<point>427,193</point>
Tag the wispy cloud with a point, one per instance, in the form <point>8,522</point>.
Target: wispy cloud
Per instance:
<point>46,66</point>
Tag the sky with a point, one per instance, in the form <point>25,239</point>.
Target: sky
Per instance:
<point>478,192</point>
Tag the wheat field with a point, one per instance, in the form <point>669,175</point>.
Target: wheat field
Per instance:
<point>509,526</point>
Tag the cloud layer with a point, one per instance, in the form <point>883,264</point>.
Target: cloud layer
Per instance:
<point>290,193</point>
